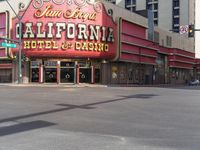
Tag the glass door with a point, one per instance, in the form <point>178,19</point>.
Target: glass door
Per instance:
<point>67,72</point>
<point>35,71</point>
<point>50,75</point>
<point>85,75</point>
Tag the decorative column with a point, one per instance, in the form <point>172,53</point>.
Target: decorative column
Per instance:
<point>41,73</point>
<point>58,72</point>
<point>92,75</point>
<point>77,73</point>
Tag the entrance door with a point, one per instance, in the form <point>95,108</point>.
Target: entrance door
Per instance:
<point>85,75</point>
<point>50,75</point>
<point>35,75</point>
<point>97,76</point>
<point>67,75</point>
<point>67,72</point>
<point>35,71</point>
<point>50,71</point>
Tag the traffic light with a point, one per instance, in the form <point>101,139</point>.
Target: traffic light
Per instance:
<point>191,30</point>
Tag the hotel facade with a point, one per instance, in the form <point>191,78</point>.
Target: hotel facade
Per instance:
<point>85,41</point>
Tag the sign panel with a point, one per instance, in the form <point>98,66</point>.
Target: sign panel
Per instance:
<point>11,45</point>
<point>4,27</point>
<point>183,29</point>
<point>68,28</point>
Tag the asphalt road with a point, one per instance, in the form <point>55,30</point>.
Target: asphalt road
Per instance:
<point>99,118</point>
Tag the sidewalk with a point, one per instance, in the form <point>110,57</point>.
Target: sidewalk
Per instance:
<point>81,85</point>
<point>147,85</point>
<point>67,85</point>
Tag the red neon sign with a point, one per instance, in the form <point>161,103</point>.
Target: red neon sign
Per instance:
<point>67,28</point>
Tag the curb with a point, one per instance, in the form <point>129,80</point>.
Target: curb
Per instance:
<point>54,85</point>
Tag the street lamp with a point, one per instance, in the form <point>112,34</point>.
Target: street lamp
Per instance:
<point>21,6</point>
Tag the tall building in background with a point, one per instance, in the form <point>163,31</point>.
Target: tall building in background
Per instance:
<point>168,15</point>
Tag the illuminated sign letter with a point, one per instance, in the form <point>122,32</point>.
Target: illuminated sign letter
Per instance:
<point>27,45</point>
<point>103,34</point>
<point>29,32</point>
<point>60,27</point>
<point>17,30</point>
<point>50,25</point>
<point>39,34</point>
<point>82,32</point>
<point>94,32</point>
<point>110,35</point>
<point>33,44</point>
<point>48,44</point>
<point>78,46</point>
<point>71,31</point>
<point>41,44</point>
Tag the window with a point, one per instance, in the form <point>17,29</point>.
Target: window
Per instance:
<point>176,20</point>
<point>155,6</point>
<point>130,5</point>
<point>130,2</point>
<point>169,41</point>
<point>176,3</point>
<point>149,7</point>
<point>156,22</point>
<point>111,1</point>
<point>176,29</point>
<point>176,12</point>
<point>156,37</point>
<point>155,14</point>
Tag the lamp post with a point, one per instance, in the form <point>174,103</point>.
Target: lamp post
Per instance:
<point>21,6</point>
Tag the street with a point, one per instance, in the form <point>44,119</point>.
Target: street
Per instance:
<point>99,118</point>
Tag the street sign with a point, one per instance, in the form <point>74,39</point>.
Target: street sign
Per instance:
<point>183,29</point>
<point>11,45</point>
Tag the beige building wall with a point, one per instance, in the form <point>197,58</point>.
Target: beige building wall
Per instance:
<point>164,15</point>
<point>140,4</point>
<point>177,40</point>
<point>120,3</point>
<point>184,12</point>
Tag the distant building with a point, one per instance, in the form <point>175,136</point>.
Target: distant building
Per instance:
<point>168,15</point>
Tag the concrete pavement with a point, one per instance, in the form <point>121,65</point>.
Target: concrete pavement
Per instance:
<point>101,118</point>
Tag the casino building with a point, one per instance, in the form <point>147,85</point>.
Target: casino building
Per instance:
<point>85,41</point>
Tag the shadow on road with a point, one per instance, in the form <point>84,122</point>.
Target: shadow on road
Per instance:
<point>85,106</point>
<point>22,127</point>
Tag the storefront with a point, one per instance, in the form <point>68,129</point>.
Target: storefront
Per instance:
<point>67,42</point>
<point>181,64</point>
<point>65,71</point>
<point>79,42</point>
<point>137,58</point>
